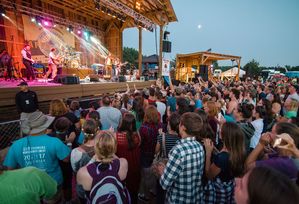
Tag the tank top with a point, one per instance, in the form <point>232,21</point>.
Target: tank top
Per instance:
<point>105,175</point>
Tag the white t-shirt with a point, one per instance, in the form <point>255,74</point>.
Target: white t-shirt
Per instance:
<point>51,57</point>
<point>258,126</point>
<point>293,96</point>
<point>161,107</point>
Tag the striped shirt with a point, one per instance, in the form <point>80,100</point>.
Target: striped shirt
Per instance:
<point>170,141</point>
<point>182,177</point>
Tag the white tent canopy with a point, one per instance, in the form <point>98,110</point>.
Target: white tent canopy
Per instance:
<point>232,73</point>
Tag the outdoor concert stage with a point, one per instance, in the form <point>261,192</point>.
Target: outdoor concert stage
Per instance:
<point>49,91</point>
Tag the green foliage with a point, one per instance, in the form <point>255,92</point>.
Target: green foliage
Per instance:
<point>215,65</point>
<point>252,69</point>
<point>173,63</point>
<point>130,55</point>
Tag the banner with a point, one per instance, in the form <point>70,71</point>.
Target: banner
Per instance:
<point>165,67</point>
<point>43,39</point>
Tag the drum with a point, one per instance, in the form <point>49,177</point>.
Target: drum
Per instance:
<point>75,64</point>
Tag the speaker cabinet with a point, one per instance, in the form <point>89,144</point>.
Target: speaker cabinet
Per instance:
<point>204,72</point>
<point>67,79</point>
<point>166,46</point>
<point>94,78</point>
<point>122,78</point>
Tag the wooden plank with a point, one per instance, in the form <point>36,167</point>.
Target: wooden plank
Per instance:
<point>140,51</point>
<point>160,50</point>
<point>48,93</point>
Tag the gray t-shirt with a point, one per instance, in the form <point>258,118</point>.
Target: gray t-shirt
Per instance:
<point>109,116</point>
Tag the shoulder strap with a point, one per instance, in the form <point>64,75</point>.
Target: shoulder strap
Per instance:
<point>92,169</point>
<point>163,146</point>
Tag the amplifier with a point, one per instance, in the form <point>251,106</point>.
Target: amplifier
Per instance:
<point>67,79</point>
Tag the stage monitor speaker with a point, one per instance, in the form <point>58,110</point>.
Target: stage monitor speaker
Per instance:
<point>94,78</point>
<point>67,79</point>
<point>204,72</point>
<point>122,78</point>
<point>166,46</point>
<point>175,82</point>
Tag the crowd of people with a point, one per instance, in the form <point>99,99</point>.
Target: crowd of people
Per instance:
<point>205,142</point>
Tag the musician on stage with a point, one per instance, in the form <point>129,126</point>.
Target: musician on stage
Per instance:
<point>28,61</point>
<point>53,61</point>
<point>117,67</point>
<point>6,62</point>
<point>108,64</point>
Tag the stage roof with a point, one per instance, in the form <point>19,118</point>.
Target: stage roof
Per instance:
<point>99,13</point>
<point>212,56</point>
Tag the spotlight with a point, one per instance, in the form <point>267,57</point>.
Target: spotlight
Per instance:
<point>97,4</point>
<point>46,23</point>
<point>33,20</point>
<point>54,25</point>
<point>70,28</point>
<point>2,11</point>
<point>79,32</point>
<point>94,40</point>
<point>38,20</point>
<point>86,35</point>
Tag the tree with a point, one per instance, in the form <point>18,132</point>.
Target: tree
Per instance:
<point>252,69</point>
<point>173,63</point>
<point>215,65</point>
<point>130,55</point>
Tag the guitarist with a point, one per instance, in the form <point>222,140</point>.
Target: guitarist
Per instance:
<point>53,62</point>
<point>27,61</point>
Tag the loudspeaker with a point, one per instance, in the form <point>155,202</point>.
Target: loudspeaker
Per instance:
<point>175,82</point>
<point>204,72</point>
<point>122,78</point>
<point>166,46</point>
<point>67,79</point>
<point>94,78</point>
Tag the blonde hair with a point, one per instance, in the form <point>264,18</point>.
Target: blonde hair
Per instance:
<point>57,108</point>
<point>293,105</point>
<point>105,147</point>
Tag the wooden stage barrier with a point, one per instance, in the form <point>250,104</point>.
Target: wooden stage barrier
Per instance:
<point>47,93</point>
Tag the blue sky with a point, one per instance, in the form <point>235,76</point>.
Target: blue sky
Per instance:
<point>264,30</point>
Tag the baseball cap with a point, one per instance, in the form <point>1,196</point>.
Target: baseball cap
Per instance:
<point>23,83</point>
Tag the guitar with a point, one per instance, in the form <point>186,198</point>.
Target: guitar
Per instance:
<point>56,61</point>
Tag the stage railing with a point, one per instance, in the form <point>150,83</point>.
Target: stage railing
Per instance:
<point>9,132</point>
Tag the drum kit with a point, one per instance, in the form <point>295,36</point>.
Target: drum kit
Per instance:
<point>71,58</point>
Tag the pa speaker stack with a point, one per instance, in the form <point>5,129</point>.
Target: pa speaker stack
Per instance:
<point>204,72</point>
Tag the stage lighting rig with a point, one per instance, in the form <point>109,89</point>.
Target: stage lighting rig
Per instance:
<point>70,28</point>
<point>117,5</point>
<point>97,4</point>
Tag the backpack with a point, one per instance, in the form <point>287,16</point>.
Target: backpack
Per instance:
<point>106,185</point>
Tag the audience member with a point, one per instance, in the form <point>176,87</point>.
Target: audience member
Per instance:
<point>110,116</point>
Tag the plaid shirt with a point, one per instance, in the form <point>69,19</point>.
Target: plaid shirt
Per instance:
<point>182,177</point>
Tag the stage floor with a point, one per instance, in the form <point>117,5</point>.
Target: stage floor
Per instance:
<point>46,91</point>
<point>14,83</point>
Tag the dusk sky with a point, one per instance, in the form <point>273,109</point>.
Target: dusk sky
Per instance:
<point>264,30</point>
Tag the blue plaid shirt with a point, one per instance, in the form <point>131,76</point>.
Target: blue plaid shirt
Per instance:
<point>182,177</point>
